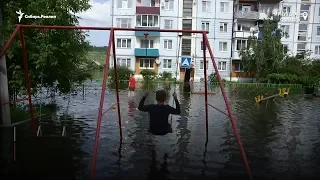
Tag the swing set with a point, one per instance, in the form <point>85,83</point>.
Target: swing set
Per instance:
<point>206,46</point>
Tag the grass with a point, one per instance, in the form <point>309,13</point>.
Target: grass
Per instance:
<point>97,56</point>
<point>20,113</point>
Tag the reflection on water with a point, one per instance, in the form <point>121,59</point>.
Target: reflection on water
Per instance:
<point>280,141</point>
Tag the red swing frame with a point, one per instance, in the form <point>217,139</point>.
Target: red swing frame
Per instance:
<point>111,45</point>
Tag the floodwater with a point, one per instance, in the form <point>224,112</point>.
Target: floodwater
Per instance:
<point>281,140</point>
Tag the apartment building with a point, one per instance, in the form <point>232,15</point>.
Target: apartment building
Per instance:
<point>299,19</point>
<point>160,51</point>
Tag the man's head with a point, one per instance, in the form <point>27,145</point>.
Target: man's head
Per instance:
<point>132,74</point>
<point>161,96</point>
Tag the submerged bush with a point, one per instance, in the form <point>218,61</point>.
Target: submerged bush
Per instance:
<point>148,75</point>
<point>122,71</point>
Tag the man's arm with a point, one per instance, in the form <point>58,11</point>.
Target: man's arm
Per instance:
<point>129,82</point>
<point>177,109</point>
<point>142,107</point>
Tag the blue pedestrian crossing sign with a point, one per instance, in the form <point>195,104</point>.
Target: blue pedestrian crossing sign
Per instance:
<point>185,62</point>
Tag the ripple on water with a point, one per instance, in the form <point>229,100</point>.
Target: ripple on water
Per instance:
<point>280,140</point>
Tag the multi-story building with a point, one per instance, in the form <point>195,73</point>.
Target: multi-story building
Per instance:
<point>162,52</point>
<point>229,22</point>
<point>299,19</point>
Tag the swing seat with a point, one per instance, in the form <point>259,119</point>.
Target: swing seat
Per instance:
<point>63,134</point>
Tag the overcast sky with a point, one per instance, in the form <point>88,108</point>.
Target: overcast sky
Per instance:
<point>98,15</point>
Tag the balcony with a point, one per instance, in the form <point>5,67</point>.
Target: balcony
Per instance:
<point>251,15</point>
<point>150,34</point>
<point>142,52</point>
<point>243,34</point>
<point>148,7</point>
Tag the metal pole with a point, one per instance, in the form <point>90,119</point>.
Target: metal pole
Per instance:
<point>117,83</point>
<point>205,82</point>
<point>4,90</point>
<point>103,91</point>
<point>26,69</point>
<point>234,125</point>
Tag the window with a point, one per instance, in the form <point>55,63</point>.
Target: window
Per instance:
<point>124,4</point>
<point>123,22</point>
<point>168,4</point>
<point>319,11</point>
<point>205,6</point>
<point>301,47</point>
<point>167,63</point>
<point>146,63</point>
<point>124,62</point>
<point>222,65</point>
<point>302,37</point>
<point>285,29</point>
<point>147,3</point>
<point>223,46</point>
<point>147,20</point>
<point>167,44</point>
<point>186,47</point>
<point>286,10</point>
<point>241,43</point>
<point>205,26</point>
<point>303,27</point>
<point>202,46</point>
<point>224,7</point>
<point>223,27</point>
<point>187,25</point>
<point>241,27</point>
<point>318,30</point>
<point>124,43</point>
<point>146,43</point>
<point>168,24</point>
<point>187,8</point>
<point>238,67</point>
<point>202,64</point>
<point>317,50</point>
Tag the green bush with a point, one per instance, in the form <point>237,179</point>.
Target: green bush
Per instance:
<point>122,71</point>
<point>284,78</point>
<point>165,75</point>
<point>148,75</point>
<point>213,77</point>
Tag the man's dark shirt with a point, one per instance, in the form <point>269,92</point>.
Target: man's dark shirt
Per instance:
<point>159,114</point>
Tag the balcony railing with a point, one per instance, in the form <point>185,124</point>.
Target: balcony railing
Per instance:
<point>246,15</point>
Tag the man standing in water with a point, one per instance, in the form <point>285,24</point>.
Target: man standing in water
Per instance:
<point>132,86</point>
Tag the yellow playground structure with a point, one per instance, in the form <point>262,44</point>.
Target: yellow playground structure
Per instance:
<point>283,92</point>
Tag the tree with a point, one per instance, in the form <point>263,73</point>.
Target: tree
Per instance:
<point>266,55</point>
<point>56,56</point>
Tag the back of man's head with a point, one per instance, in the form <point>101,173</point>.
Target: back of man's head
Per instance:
<point>161,95</point>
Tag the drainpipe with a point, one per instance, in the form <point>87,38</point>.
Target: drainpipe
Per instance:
<point>232,40</point>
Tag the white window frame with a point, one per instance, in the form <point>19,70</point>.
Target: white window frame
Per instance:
<point>317,50</point>
<point>124,22</point>
<point>167,43</point>
<point>127,62</point>
<point>167,64</point>
<point>244,44</point>
<point>224,27</point>
<point>286,10</point>
<point>125,4</point>
<point>142,18</point>
<point>205,25</point>
<point>202,64</point>
<point>224,7</point>
<point>151,62</point>
<point>318,30</point>
<point>240,67</point>
<point>223,44</point>
<point>168,5</point>
<point>205,6</point>
<point>285,29</point>
<point>222,65</point>
<point>123,41</point>
<point>149,41</point>
<point>168,24</point>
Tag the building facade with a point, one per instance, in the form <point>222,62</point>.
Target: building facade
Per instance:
<point>300,20</point>
<point>162,51</point>
<point>229,22</point>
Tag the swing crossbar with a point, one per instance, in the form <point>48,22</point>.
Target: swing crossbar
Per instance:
<point>111,45</point>
<point>15,101</point>
<point>63,134</point>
